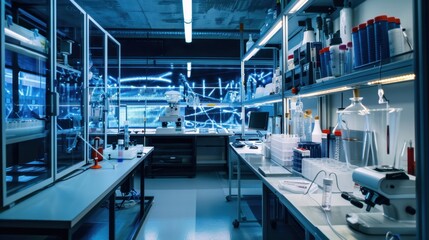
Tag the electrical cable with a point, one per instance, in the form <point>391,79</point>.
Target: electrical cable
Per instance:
<point>336,180</point>
<point>324,211</point>
<point>314,179</point>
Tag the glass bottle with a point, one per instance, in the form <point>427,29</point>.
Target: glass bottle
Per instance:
<point>355,133</point>
<point>308,126</point>
<point>249,43</point>
<point>316,135</point>
<point>337,134</point>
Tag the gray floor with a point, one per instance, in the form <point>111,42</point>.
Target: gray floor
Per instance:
<point>196,208</point>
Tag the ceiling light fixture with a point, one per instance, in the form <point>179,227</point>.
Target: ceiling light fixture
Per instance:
<point>187,19</point>
<point>298,5</point>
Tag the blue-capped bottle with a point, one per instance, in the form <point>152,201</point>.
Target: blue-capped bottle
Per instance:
<point>357,60</point>
<point>381,38</point>
<point>363,39</point>
<point>371,40</point>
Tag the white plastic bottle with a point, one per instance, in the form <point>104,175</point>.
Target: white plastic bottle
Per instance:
<point>316,135</point>
<point>327,194</point>
<point>334,52</point>
<point>249,43</point>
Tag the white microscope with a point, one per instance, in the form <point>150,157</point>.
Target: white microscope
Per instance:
<point>395,191</point>
<point>171,114</point>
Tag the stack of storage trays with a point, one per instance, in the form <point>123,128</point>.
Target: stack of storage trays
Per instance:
<point>282,146</point>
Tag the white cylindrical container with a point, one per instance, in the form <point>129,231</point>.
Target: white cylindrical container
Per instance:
<point>396,41</point>
<point>346,17</point>
<point>316,135</point>
<point>334,52</point>
<point>327,194</point>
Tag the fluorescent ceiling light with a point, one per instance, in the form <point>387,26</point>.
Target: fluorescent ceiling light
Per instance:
<point>187,19</point>
<point>189,74</point>
<point>271,33</point>
<point>323,92</point>
<point>402,78</point>
<point>188,32</point>
<point>298,5</point>
<point>251,53</point>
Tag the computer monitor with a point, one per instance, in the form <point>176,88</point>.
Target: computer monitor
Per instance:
<point>258,121</point>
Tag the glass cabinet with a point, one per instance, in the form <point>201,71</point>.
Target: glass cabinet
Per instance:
<point>27,157</point>
<point>69,83</point>
<point>55,73</point>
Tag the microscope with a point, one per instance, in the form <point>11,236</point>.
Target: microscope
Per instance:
<point>171,114</point>
<point>395,191</point>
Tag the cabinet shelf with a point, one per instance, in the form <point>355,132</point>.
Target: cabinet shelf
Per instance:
<point>358,78</point>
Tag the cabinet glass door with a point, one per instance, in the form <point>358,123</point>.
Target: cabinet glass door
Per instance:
<point>98,98</point>
<point>26,124</point>
<point>69,84</point>
<point>113,83</point>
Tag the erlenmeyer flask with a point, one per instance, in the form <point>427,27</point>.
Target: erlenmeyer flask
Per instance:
<point>356,135</point>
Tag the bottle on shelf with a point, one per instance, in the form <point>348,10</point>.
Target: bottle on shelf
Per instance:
<point>363,40</point>
<point>308,126</point>
<point>357,59</point>
<point>370,40</point>
<point>381,38</point>
<point>278,8</point>
<point>249,43</point>
<point>334,52</point>
<point>396,38</point>
<point>316,135</point>
<point>346,17</point>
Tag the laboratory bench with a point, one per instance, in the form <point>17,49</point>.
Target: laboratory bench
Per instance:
<point>62,208</point>
<point>180,154</point>
<point>301,214</point>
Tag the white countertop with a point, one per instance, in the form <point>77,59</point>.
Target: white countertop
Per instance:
<point>66,202</point>
<point>306,207</point>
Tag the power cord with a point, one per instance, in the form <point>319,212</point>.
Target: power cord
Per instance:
<point>314,179</point>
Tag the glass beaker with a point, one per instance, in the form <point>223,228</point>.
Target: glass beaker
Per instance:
<point>355,133</point>
<point>384,124</point>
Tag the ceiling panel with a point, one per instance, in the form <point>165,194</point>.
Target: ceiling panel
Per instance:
<point>219,15</point>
